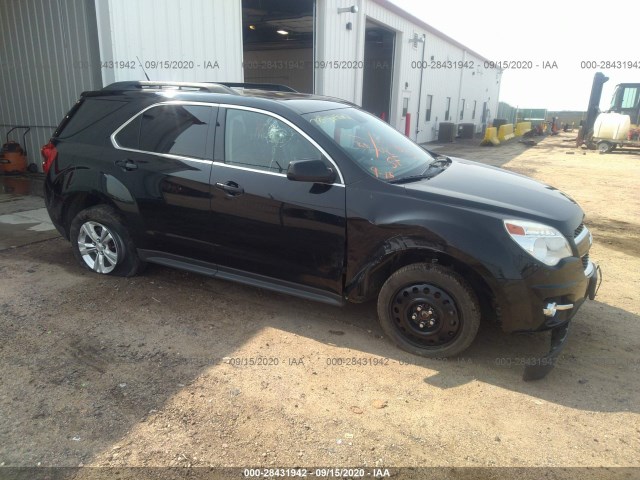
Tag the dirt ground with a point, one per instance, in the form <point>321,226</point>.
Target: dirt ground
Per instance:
<point>175,369</point>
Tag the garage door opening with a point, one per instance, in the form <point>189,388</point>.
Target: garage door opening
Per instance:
<point>378,67</point>
<point>278,42</point>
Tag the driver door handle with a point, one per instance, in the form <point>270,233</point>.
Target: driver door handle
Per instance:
<point>230,188</point>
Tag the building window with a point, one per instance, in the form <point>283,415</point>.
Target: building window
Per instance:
<point>429,104</point>
<point>462,110</point>
<point>473,113</point>
<point>446,113</point>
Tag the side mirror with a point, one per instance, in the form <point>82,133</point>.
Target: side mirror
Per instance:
<point>314,171</point>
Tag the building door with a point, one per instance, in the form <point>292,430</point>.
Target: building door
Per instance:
<point>379,46</point>
<point>277,39</point>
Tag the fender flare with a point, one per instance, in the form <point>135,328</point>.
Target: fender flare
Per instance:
<point>399,251</point>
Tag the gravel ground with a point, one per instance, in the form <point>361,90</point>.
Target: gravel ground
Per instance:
<point>175,369</point>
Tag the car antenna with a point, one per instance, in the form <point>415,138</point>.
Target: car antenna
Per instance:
<point>142,67</point>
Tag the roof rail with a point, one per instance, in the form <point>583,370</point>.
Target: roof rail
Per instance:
<point>144,85</point>
<point>274,87</point>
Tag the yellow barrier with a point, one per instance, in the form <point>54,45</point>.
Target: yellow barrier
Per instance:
<point>522,128</point>
<point>505,132</point>
<point>490,137</point>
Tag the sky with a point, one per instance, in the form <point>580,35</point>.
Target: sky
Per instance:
<point>566,32</point>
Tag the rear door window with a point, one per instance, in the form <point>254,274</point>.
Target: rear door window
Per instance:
<point>170,129</point>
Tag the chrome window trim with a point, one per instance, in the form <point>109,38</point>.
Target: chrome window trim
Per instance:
<point>295,128</point>
<point>227,106</point>
<point>174,157</point>
<point>166,155</point>
<point>249,169</point>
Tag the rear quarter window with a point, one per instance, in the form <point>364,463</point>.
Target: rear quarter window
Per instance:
<point>88,120</point>
<point>129,136</point>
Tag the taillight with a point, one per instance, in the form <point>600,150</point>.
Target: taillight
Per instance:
<point>49,154</point>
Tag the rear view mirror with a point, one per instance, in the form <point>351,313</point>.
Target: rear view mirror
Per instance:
<point>315,171</point>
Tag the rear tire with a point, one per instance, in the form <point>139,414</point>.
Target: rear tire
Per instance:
<point>429,310</point>
<point>102,244</point>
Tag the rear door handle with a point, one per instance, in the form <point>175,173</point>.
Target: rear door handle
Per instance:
<point>231,188</point>
<point>127,164</point>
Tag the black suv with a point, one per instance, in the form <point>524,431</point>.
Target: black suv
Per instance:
<point>314,197</point>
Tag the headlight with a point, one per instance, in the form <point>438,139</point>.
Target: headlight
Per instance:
<point>540,241</point>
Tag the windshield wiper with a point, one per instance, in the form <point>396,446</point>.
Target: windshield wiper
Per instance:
<point>431,171</point>
<point>411,178</point>
<point>440,161</point>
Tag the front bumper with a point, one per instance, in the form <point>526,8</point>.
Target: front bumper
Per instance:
<point>522,303</point>
<point>594,284</point>
<point>539,367</point>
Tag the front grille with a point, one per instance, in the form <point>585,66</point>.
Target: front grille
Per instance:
<point>585,261</point>
<point>582,240</point>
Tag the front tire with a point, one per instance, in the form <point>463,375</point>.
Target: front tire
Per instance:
<point>429,310</point>
<point>102,244</point>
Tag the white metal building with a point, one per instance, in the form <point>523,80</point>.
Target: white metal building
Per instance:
<point>369,52</point>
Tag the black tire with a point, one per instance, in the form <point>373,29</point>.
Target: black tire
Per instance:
<point>447,310</point>
<point>604,147</point>
<point>117,250</point>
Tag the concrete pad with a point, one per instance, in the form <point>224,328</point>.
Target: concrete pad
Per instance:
<point>19,203</point>
<point>24,220</point>
<point>38,219</point>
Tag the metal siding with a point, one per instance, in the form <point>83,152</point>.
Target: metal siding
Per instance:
<point>334,42</point>
<point>41,44</point>
<point>43,41</point>
<point>403,73</point>
<point>480,85</point>
<point>182,30</point>
<point>441,83</point>
<point>477,84</point>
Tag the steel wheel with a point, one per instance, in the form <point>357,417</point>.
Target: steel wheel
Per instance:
<point>429,310</point>
<point>98,247</point>
<point>425,315</point>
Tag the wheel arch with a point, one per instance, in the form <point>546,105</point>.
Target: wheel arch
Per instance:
<point>367,283</point>
<point>75,202</point>
<point>79,188</point>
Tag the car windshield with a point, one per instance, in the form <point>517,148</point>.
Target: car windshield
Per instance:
<point>374,145</point>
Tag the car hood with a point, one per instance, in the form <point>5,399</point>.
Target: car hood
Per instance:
<point>476,186</point>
